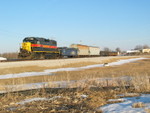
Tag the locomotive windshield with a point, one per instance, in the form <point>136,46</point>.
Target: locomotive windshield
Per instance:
<point>35,40</point>
<point>32,40</point>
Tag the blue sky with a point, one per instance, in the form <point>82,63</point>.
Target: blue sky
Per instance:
<point>103,23</point>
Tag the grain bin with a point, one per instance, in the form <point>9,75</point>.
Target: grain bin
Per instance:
<point>83,50</point>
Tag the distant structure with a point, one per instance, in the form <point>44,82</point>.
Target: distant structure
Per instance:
<point>145,50</point>
<point>138,52</point>
<point>133,51</point>
<point>2,59</point>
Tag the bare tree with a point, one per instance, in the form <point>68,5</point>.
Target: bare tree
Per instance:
<point>146,47</point>
<point>11,55</point>
<point>107,49</point>
<point>118,49</point>
<point>138,47</point>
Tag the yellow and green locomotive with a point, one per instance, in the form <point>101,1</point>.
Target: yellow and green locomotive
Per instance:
<point>38,48</point>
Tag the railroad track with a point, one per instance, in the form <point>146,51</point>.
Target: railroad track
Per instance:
<point>16,60</point>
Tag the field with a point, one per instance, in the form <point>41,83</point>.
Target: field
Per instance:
<point>74,85</point>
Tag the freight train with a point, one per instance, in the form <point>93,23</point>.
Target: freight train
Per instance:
<point>41,48</point>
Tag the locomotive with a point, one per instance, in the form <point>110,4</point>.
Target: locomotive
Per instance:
<point>38,48</point>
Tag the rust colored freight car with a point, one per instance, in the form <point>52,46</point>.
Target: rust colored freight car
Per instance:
<point>109,53</point>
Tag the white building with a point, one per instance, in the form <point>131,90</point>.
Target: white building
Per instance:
<point>133,51</point>
<point>145,50</point>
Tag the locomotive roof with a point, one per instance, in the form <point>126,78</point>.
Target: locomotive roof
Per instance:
<point>85,45</point>
<point>38,38</point>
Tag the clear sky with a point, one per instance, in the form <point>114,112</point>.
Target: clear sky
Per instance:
<point>103,23</point>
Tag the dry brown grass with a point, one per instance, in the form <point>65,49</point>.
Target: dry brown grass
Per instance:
<point>138,69</point>
<point>19,67</point>
<point>71,100</point>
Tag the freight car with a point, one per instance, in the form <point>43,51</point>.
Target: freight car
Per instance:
<point>38,48</point>
<point>68,52</point>
<point>109,53</point>
<point>86,51</point>
<point>94,51</point>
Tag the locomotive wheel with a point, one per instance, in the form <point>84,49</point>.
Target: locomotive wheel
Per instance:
<point>42,56</point>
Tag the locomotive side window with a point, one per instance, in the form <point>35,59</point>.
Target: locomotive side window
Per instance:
<point>38,42</point>
<point>54,43</point>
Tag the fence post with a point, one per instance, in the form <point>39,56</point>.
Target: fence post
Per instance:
<point>107,82</point>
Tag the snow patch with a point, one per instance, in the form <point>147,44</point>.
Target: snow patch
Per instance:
<point>36,99</point>
<point>62,84</point>
<point>126,106</point>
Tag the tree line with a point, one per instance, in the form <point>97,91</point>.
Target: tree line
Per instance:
<point>137,47</point>
<point>11,55</point>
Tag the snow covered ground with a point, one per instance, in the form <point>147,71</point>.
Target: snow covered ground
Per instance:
<point>63,84</point>
<point>50,71</point>
<point>128,105</point>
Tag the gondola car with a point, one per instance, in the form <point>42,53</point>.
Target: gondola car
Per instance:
<point>38,48</point>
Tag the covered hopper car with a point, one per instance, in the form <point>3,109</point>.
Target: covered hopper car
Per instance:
<point>68,52</point>
<point>84,50</point>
